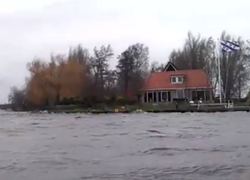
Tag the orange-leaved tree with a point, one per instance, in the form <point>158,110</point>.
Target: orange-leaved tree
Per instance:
<point>37,93</point>
<point>51,81</point>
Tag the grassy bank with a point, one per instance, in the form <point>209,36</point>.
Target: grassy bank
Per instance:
<point>111,109</point>
<point>150,108</point>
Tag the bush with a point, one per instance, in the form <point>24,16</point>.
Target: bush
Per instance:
<point>93,101</point>
<point>66,107</point>
<point>120,100</point>
<point>69,101</point>
<point>113,99</point>
<point>126,101</point>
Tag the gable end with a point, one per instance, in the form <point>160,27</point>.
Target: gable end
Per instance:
<point>170,67</point>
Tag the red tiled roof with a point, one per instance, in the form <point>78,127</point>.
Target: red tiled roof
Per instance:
<point>195,78</point>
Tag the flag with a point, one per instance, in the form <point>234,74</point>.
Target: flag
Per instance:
<point>229,46</point>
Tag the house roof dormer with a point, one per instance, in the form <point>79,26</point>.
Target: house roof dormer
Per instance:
<point>177,79</point>
<point>170,67</point>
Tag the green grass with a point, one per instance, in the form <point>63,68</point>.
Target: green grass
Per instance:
<point>103,108</point>
<point>144,107</point>
<point>69,111</point>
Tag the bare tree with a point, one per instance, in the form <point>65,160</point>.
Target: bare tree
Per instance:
<point>100,67</point>
<point>132,67</point>
<point>197,53</point>
<point>156,66</point>
<point>235,69</point>
<point>17,98</point>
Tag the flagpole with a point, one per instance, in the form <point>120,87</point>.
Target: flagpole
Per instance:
<point>219,73</point>
<point>226,46</point>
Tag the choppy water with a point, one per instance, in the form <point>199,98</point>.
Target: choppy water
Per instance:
<point>116,147</point>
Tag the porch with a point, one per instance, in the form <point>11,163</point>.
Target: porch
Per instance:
<point>158,96</point>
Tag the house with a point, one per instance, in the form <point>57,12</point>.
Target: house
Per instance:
<point>172,83</point>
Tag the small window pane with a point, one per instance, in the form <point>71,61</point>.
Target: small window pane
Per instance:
<point>180,79</point>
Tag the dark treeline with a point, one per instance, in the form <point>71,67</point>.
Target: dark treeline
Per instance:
<point>81,78</point>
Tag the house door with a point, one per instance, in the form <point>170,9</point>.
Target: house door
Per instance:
<point>180,94</point>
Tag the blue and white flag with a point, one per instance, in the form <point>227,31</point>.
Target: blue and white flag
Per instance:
<point>229,46</point>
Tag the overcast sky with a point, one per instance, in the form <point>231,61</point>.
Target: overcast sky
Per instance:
<point>30,28</point>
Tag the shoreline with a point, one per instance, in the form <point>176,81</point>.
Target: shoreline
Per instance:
<point>151,111</point>
<point>141,109</point>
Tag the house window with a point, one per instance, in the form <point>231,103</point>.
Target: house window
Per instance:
<point>164,96</point>
<point>154,97</point>
<point>159,97</point>
<point>177,79</point>
<point>150,97</point>
<point>180,79</point>
<point>173,79</point>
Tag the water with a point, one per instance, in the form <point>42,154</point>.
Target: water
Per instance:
<point>116,147</point>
